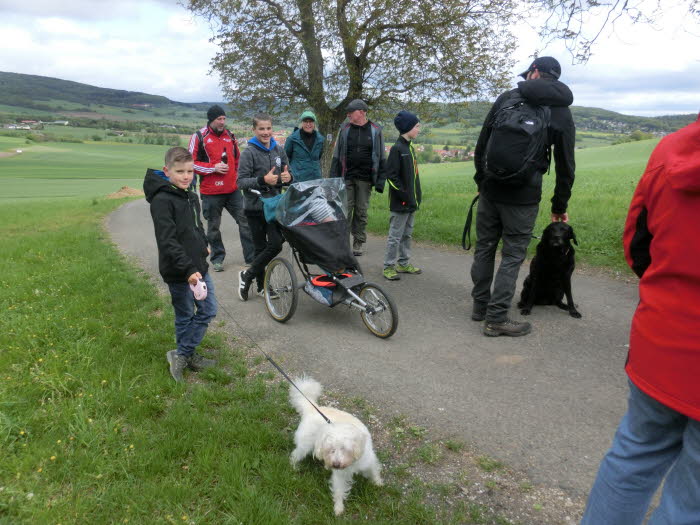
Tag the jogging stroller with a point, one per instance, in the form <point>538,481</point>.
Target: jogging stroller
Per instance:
<point>312,217</point>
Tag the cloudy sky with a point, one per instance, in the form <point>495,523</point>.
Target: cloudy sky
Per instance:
<point>155,46</point>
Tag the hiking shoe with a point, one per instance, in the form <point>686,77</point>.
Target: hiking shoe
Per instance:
<point>197,362</point>
<point>244,282</point>
<point>390,273</point>
<point>408,268</point>
<point>178,363</point>
<point>507,327</point>
<point>218,267</point>
<point>357,248</point>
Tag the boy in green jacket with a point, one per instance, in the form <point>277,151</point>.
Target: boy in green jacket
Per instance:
<point>404,197</point>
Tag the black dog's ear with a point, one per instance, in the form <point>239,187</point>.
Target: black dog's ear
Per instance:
<point>573,237</point>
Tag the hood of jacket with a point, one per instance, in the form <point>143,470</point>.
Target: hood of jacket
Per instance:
<point>257,143</point>
<point>546,92</point>
<point>682,162</point>
<point>156,181</point>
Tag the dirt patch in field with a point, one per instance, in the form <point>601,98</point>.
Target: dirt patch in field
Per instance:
<point>5,154</point>
<point>124,192</point>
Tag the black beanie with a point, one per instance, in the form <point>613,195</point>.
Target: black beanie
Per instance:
<point>405,121</point>
<point>214,113</point>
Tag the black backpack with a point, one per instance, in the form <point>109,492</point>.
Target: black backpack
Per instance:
<point>518,139</point>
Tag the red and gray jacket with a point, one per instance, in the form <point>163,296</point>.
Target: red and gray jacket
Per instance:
<point>207,149</point>
<point>662,246</point>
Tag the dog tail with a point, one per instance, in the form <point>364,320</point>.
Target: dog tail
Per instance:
<point>310,387</point>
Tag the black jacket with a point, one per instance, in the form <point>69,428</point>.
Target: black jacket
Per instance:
<point>562,137</point>
<point>182,244</point>
<point>402,174</point>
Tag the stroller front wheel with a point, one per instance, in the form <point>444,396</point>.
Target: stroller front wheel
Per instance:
<point>380,315</point>
<point>280,290</point>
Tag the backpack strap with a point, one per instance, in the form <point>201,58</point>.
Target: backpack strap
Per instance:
<point>466,233</point>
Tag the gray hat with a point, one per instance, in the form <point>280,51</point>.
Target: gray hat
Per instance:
<point>355,105</point>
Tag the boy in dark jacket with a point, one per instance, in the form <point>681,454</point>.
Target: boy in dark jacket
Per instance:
<point>182,256</point>
<point>404,197</point>
<point>263,168</point>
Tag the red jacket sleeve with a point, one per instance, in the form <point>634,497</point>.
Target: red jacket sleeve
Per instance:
<point>201,166</point>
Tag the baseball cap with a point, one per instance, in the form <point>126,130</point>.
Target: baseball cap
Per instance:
<point>355,105</point>
<point>544,65</point>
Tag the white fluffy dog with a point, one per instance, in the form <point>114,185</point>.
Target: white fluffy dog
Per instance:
<point>344,445</point>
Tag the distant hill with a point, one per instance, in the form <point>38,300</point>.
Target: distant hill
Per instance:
<point>57,96</point>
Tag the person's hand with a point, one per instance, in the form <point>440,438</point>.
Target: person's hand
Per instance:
<point>286,176</point>
<point>560,217</point>
<point>194,278</point>
<point>270,178</point>
<point>221,168</point>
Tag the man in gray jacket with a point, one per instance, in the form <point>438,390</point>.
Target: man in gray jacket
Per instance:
<point>358,157</point>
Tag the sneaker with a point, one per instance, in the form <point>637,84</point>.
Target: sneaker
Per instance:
<point>261,288</point>
<point>408,268</point>
<point>390,274</point>
<point>178,363</point>
<point>357,248</point>
<point>244,283</point>
<point>218,267</point>
<point>197,362</point>
<point>507,327</point>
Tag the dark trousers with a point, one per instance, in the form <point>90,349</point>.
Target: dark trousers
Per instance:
<point>513,224</point>
<point>212,208</point>
<point>359,192</point>
<point>268,243</point>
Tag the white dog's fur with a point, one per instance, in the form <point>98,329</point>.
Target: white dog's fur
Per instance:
<point>344,445</point>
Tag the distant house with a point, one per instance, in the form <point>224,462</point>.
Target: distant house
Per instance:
<point>60,122</point>
<point>141,106</point>
<point>29,121</point>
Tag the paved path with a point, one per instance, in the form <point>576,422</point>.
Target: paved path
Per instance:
<point>546,404</point>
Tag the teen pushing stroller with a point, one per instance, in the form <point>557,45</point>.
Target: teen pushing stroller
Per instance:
<point>312,217</point>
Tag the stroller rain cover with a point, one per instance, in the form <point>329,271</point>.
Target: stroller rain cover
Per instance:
<point>313,215</point>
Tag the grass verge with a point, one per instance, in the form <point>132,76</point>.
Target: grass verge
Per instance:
<point>93,429</point>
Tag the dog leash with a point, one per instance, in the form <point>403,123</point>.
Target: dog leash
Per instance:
<point>466,233</point>
<point>278,367</point>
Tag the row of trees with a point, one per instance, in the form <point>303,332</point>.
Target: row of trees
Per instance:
<point>391,53</point>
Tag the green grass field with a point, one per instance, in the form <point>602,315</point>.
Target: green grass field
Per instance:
<point>605,180</point>
<point>94,430</point>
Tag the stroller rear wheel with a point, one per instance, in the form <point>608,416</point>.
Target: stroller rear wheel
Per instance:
<point>380,316</point>
<point>280,290</point>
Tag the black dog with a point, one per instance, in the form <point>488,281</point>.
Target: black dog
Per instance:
<point>550,271</point>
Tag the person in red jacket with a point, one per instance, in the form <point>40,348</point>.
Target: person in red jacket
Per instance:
<point>661,429</point>
<point>215,152</point>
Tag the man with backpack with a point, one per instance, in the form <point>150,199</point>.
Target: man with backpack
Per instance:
<point>525,127</point>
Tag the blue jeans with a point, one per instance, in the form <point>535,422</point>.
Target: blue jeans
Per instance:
<point>192,317</point>
<point>650,440</point>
